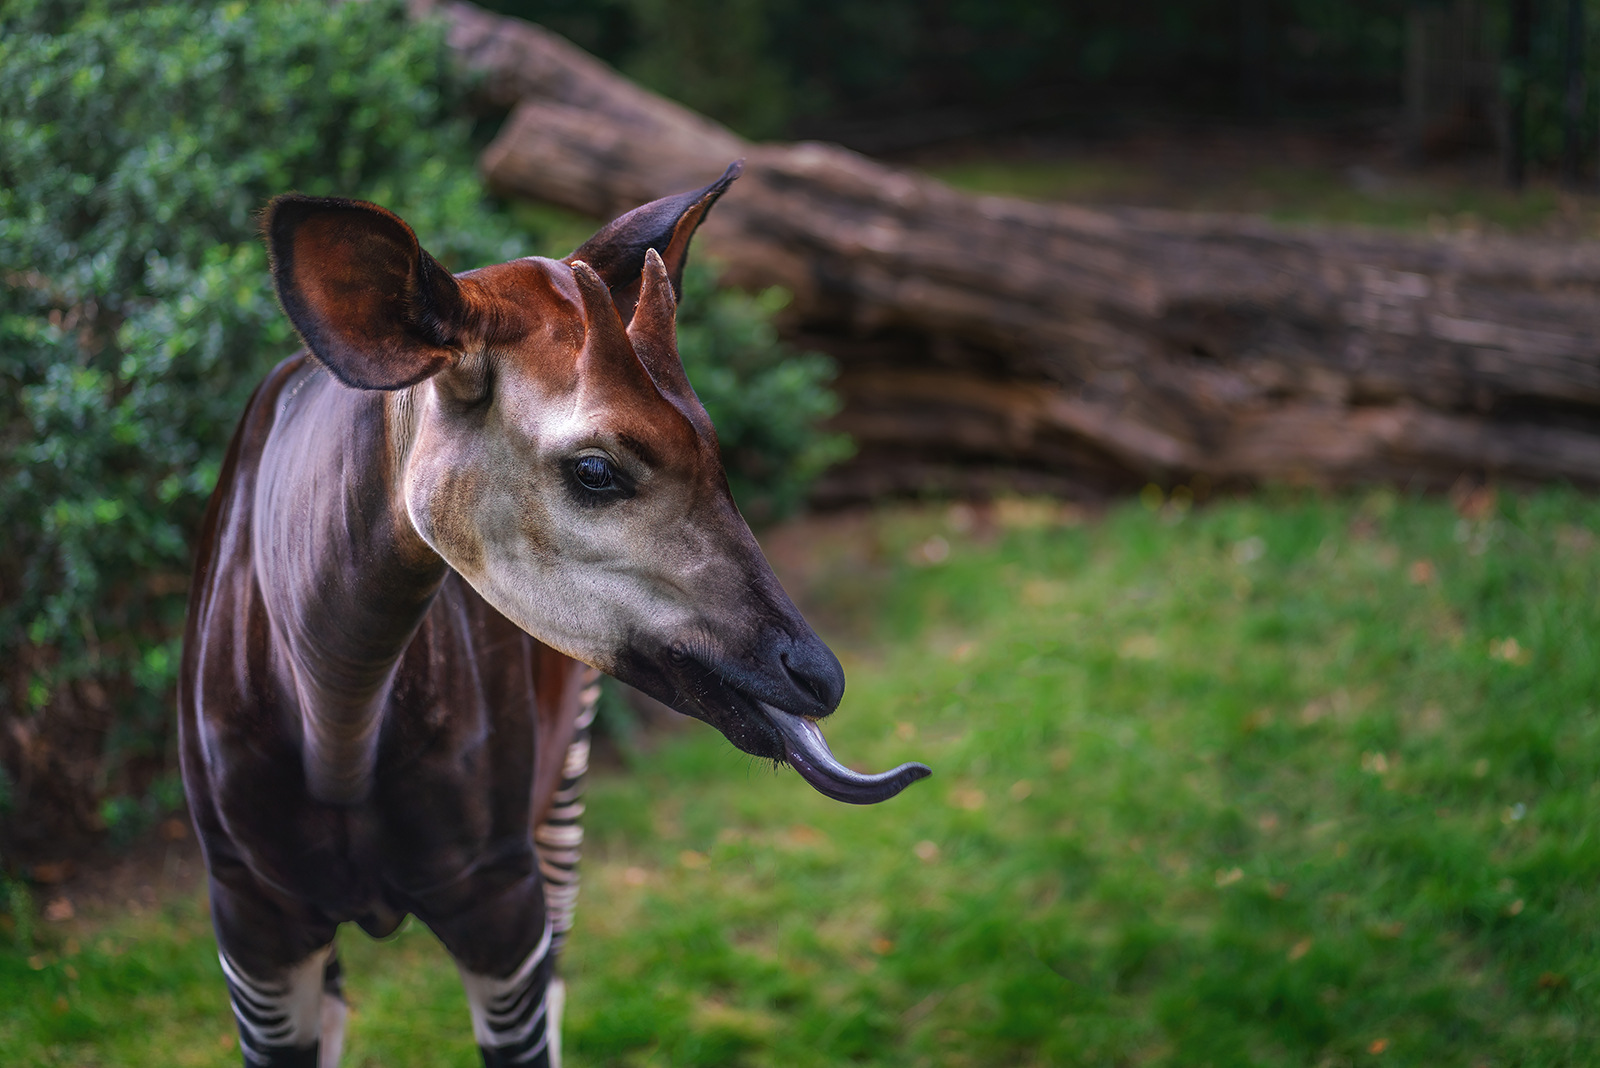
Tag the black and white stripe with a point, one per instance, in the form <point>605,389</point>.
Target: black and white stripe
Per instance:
<point>511,1017</point>
<point>286,1021</point>
<point>559,837</point>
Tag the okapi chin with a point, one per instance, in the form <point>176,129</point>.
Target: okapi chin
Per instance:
<point>431,528</point>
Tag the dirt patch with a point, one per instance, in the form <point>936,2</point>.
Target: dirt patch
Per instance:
<point>164,865</point>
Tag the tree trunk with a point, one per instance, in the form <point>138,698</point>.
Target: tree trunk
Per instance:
<point>986,340</point>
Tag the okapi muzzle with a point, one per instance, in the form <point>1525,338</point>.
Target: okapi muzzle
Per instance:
<point>542,440</point>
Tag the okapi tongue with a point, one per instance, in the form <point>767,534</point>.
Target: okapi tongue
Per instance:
<point>807,752</point>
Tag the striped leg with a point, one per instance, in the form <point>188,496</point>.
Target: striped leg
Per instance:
<point>292,1020</point>
<point>511,1016</point>
<point>335,1011</point>
<point>559,837</point>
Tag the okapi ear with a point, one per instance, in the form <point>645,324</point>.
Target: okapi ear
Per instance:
<point>369,301</point>
<point>666,225</point>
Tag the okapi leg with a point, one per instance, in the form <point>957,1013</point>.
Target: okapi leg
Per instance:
<point>495,927</point>
<point>559,842</point>
<point>281,1017</point>
<point>511,1015</point>
<point>335,1011</point>
<point>559,837</point>
<point>282,973</point>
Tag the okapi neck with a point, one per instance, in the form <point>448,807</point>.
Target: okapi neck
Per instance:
<point>345,579</point>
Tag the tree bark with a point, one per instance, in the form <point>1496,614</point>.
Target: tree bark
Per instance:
<point>987,341</point>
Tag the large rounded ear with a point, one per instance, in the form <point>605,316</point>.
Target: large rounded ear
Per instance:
<point>369,301</point>
<point>666,225</point>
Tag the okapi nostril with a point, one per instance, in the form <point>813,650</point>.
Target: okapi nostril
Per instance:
<point>817,672</point>
<point>799,678</point>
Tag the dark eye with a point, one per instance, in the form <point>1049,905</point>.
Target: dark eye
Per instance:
<point>594,472</point>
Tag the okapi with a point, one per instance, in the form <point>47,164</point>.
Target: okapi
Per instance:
<point>431,528</point>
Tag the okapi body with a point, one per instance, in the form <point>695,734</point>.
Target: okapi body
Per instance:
<point>428,533</point>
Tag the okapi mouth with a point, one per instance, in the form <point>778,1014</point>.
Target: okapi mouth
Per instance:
<point>806,750</point>
<point>739,702</point>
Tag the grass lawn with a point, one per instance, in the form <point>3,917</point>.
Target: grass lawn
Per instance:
<point>1286,781</point>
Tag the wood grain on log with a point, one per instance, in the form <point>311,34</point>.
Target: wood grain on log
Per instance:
<point>983,337</point>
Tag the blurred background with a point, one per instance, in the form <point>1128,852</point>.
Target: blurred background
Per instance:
<point>1182,417</point>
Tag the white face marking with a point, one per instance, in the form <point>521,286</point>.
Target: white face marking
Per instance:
<point>491,489</point>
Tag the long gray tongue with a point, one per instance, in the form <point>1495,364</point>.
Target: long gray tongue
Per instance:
<point>807,752</point>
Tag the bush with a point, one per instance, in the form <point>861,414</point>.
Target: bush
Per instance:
<point>136,145</point>
<point>765,400</point>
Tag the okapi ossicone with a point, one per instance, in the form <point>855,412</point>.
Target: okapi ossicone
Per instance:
<point>429,532</point>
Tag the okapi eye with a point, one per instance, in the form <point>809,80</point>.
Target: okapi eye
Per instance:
<point>594,473</point>
<point>594,480</point>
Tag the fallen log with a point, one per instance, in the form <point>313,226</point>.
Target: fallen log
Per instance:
<point>988,340</point>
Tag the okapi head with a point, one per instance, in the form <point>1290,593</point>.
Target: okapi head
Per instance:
<point>547,444</point>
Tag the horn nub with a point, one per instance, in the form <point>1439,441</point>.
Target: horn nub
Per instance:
<point>606,346</point>
<point>602,323</point>
<point>654,330</point>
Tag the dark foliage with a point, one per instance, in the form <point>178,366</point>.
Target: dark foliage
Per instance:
<point>136,144</point>
<point>900,73</point>
<point>770,67</point>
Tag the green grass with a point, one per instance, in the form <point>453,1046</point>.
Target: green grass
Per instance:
<point>1288,194</point>
<point>1265,783</point>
